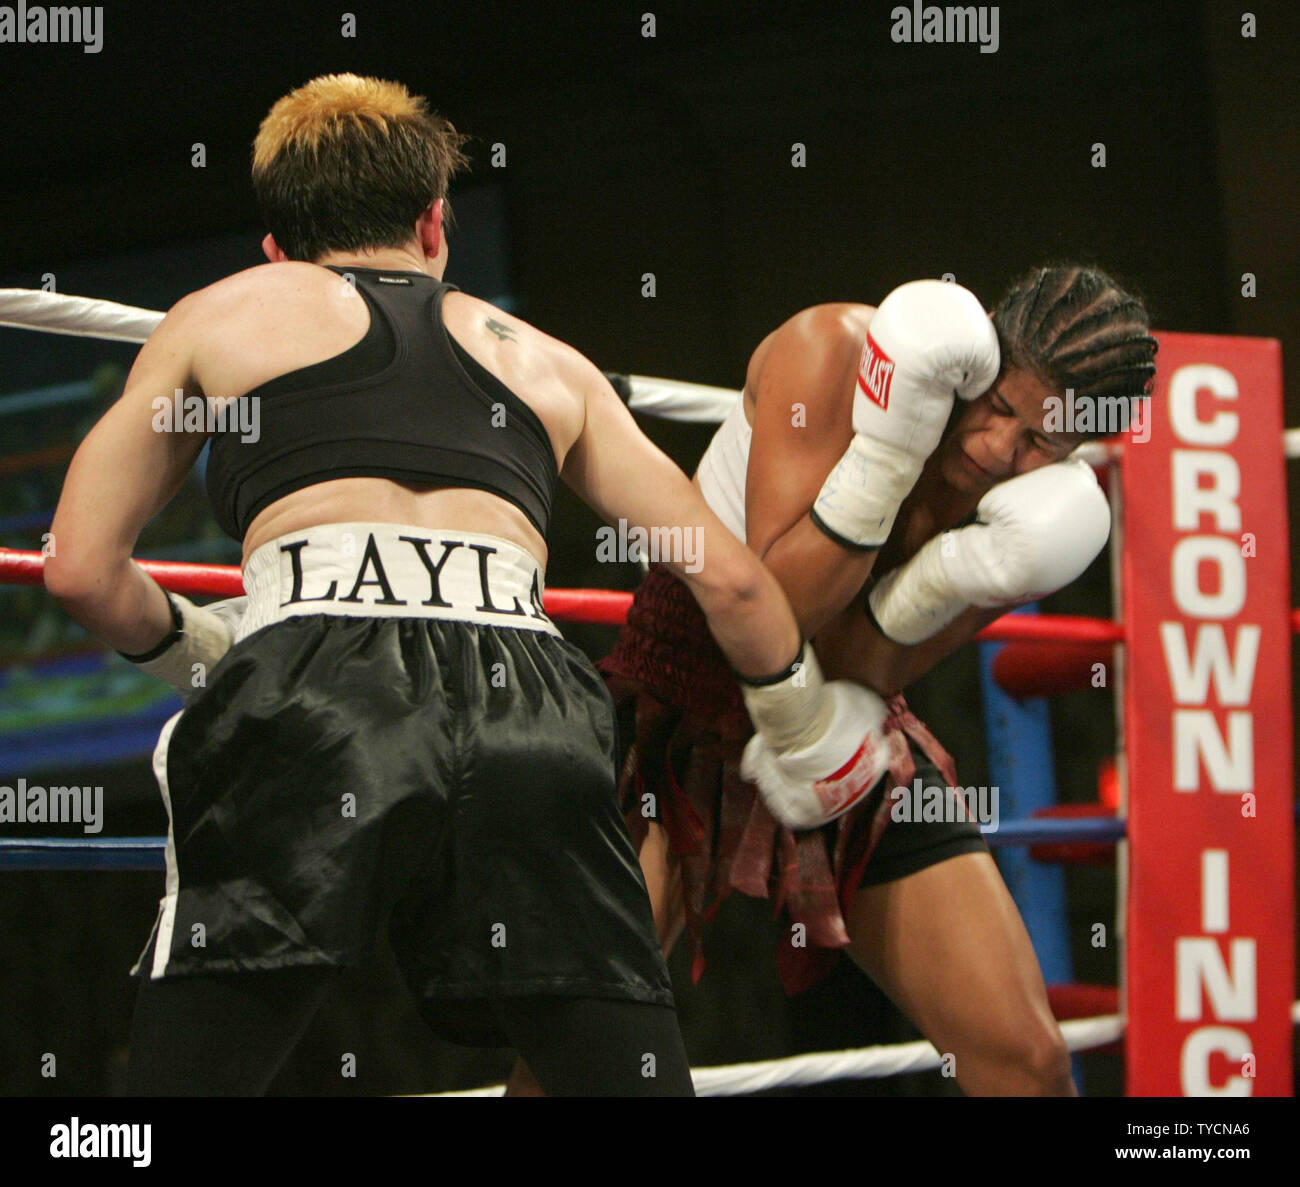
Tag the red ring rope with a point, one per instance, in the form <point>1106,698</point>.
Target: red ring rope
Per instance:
<point>604,606</point>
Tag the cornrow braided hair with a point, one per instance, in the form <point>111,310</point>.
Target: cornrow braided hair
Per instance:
<point>1075,327</point>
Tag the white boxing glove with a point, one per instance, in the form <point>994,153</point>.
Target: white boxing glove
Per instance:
<point>927,342</point>
<point>199,637</point>
<point>1035,534</point>
<point>819,748</point>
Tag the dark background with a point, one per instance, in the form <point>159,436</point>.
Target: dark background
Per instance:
<point>670,155</point>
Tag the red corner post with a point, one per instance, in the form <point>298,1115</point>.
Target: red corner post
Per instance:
<point>1210,947</point>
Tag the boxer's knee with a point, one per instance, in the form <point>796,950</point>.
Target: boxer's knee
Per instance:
<point>1047,1063</point>
<point>1035,1062</point>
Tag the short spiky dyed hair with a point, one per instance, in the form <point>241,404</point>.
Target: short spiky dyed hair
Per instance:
<point>346,163</point>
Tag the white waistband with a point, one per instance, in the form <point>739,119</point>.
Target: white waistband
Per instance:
<point>386,570</point>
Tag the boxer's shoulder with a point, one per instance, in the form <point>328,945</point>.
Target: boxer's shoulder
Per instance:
<point>835,324</point>
<point>482,327</point>
<point>812,356</point>
<point>546,373</point>
<point>280,281</point>
<point>262,300</point>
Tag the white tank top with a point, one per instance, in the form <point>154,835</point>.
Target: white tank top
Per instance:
<point>722,470</point>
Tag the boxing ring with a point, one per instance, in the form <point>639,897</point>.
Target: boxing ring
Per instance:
<point>1196,812</point>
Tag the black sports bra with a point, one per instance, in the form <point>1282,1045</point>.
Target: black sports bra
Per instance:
<point>406,403</point>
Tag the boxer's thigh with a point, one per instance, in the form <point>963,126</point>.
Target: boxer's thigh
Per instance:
<point>947,944</point>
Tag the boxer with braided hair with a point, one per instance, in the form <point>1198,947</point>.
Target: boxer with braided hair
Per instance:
<point>900,472</point>
<point>1074,327</point>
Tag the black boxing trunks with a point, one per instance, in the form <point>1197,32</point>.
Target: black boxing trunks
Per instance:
<point>687,727</point>
<point>401,735</point>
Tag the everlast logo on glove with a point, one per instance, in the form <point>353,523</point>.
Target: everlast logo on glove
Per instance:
<point>875,371</point>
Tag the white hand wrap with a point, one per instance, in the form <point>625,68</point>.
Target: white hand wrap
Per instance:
<point>792,710</point>
<point>859,500</point>
<point>1037,533</point>
<point>819,748</point>
<point>199,638</point>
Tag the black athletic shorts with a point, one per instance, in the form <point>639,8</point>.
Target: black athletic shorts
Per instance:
<point>452,779</point>
<point>909,846</point>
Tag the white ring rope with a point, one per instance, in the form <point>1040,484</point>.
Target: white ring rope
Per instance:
<point>670,399</point>
<point>674,399</point>
<point>865,1063</point>
<point>869,1062</point>
<point>89,317</point>
<point>83,317</point>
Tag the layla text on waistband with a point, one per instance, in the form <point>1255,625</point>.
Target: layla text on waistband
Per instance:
<point>394,571</point>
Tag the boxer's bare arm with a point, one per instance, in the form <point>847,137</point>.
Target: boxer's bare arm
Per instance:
<point>617,471</point>
<point>850,647</point>
<point>802,381</point>
<point>122,474</point>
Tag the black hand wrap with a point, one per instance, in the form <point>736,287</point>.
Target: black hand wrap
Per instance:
<point>168,640</point>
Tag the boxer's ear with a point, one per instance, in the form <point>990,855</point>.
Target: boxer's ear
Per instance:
<point>272,251</point>
<point>432,228</point>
